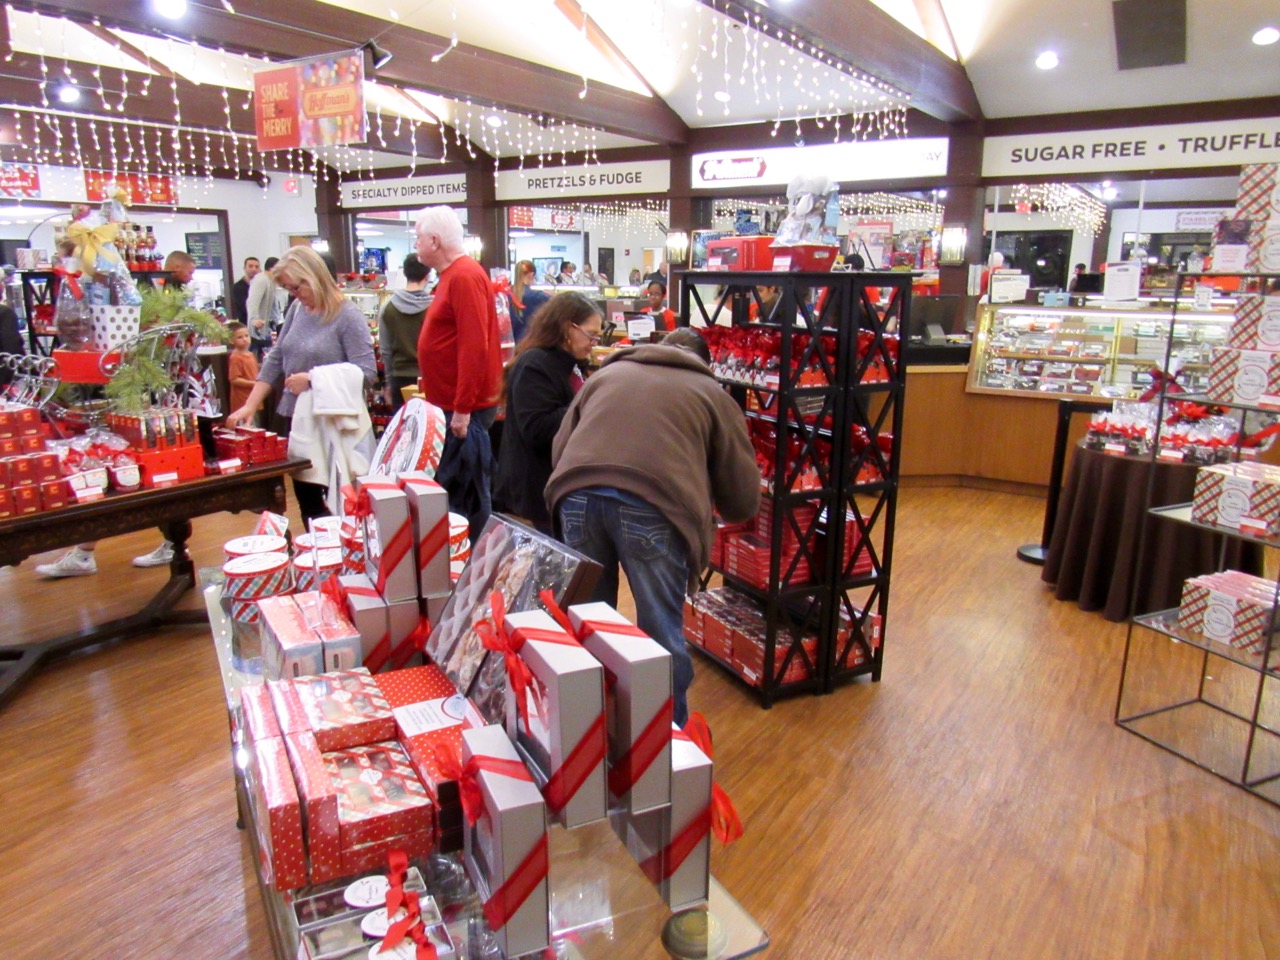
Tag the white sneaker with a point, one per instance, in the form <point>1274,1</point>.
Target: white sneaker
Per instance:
<point>161,556</point>
<point>74,563</point>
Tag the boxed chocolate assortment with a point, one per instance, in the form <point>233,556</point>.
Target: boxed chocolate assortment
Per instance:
<point>506,848</point>
<point>555,716</point>
<point>1245,376</point>
<point>638,704</point>
<point>283,857</point>
<point>345,709</point>
<point>1230,607</point>
<point>1242,496</point>
<point>381,805</point>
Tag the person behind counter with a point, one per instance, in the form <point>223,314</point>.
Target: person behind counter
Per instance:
<point>322,327</point>
<point>566,273</point>
<point>663,316</point>
<point>399,327</point>
<point>525,299</point>
<point>542,380</point>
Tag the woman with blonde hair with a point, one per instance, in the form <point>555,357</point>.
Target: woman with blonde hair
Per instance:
<point>526,300</point>
<point>320,328</point>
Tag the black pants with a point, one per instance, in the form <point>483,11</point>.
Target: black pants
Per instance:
<point>311,496</point>
<point>397,394</point>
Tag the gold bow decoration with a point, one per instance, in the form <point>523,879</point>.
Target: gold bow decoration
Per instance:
<point>92,241</point>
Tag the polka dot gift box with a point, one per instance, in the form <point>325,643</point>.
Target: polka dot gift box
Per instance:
<point>112,326</point>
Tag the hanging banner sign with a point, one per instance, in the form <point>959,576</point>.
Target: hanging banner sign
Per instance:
<point>547,183</point>
<point>310,103</point>
<point>540,218</point>
<point>141,187</point>
<point>405,191</point>
<point>1198,221</point>
<point>843,162</point>
<point>1174,146</point>
<point>19,180</point>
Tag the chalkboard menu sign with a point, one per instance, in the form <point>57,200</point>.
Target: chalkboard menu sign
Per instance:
<point>208,249</point>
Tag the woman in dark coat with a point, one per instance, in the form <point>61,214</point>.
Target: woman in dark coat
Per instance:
<point>541,382</point>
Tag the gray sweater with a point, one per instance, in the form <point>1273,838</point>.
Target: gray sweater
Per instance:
<point>307,341</point>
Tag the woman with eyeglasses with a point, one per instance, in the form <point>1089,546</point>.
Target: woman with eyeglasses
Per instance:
<point>321,327</point>
<point>541,381</point>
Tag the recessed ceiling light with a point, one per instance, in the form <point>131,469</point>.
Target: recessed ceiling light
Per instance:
<point>942,194</point>
<point>493,120</point>
<point>722,96</point>
<point>1109,193</point>
<point>1047,60</point>
<point>68,93</point>
<point>171,9</point>
<point>1266,36</point>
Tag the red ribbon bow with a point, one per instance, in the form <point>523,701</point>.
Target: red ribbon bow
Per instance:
<point>725,822</point>
<point>397,931</point>
<point>355,504</point>
<point>494,636</point>
<point>417,638</point>
<point>72,278</point>
<point>397,871</point>
<point>1161,382</point>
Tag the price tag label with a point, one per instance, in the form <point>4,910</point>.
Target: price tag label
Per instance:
<point>1172,455</point>
<point>1254,526</point>
<point>1204,296</point>
<point>1118,449</point>
<point>164,480</point>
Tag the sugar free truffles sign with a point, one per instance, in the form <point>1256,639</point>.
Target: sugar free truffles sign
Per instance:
<point>1167,147</point>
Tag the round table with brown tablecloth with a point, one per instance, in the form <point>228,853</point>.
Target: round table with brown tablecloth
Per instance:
<point>1092,555</point>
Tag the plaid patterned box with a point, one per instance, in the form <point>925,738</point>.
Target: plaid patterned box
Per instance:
<point>1240,620</point>
<point>1244,376</point>
<point>1257,323</point>
<point>379,795</point>
<point>1237,495</point>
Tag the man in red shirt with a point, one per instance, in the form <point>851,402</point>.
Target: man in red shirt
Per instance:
<point>459,352</point>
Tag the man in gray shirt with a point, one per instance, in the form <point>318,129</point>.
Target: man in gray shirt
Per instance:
<point>263,309</point>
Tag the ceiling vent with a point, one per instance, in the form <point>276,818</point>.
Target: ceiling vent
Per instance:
<point>1150,33</point>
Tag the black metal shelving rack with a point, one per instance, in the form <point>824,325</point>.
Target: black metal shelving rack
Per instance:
<point>822,419</point>
<point>1202,699</point>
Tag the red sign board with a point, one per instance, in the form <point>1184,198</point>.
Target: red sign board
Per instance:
<point>520,217</point>
<point>733,168</point>
<point>310,103</point>
<point>20,180</point>
<point>141,187</point>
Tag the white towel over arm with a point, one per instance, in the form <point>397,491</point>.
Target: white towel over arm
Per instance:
<point>332,429</point>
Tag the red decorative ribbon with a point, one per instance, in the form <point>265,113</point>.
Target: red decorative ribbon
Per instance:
<point>493,636</point>
<point>355,504</point>
<point>725,822</point>
<point>667,861</point>
<point>1161,382</point>
<point>341,594</point>
<point>424,949</point>
<point>397,871</point>
<point>396,550</point>
<point>436,539</point>
<point>646,748</point>
<point>73,278</point>
<point>588,626</point>
<point>521,882</point>
<point>397,931</point>
<point>587,754</point>
<point>415,642</point>
<point>1255,439</point>
<point>469,785</point>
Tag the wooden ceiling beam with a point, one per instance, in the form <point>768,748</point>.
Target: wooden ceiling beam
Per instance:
<point>467,72</point>
<point>864,36</point>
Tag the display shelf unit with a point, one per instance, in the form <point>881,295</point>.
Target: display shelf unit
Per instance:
<point>836,420</point>
<point>597,891</point>
<point>1101,351</point>
<point>1202,697</point>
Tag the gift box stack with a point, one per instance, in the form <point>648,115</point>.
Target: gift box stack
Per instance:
<point>305,634</point>
<point>337,767</point>
<point>250,445</point>
<point>396,547</point>
<point>1250,241</point>
<point>752,355</point>
<point>166,443</point>
<point>1242,496</point>
<point>1247,369</point>
<point>1230,607</point>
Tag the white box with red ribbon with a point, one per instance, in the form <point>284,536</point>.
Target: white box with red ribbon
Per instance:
<point>388,539</point>
<point>560,728</point>
<point>506,848</point>
<point>637,672</point>
<point>290,648</point>
<point>368,612</point>
<point>429,508</point>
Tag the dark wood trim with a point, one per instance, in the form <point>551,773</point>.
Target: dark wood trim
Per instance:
<point>864,36</point>
<point>1258,107</point>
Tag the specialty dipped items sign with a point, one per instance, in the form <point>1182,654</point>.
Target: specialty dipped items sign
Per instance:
<point>312,102</point>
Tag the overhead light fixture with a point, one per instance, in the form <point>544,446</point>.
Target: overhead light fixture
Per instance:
<point>170,9</point>
<point>722,96</point>
<point>954,245</point>
<point>68,93</point>
<point>493,120</point>
<point>1110,193</point>
<point>381,56</point>
<point>942,193</point>
<point>1047,60</point>
<point>1266,36</point>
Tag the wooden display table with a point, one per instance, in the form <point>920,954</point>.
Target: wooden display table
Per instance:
<point>170,509</point>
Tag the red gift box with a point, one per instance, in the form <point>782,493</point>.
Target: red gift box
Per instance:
<point>10,447</point>
<point>21,470</point>
<point>83,366</point>
<point>54,494</point>
<point>692,623</point>
<point>740,253</point>
<point>8,422</point>
<point>259,715</point>
<point>31,443</point>
<point>345,709</point>
<point>430,718</point>
<point>373,856</point>
<point>804,256</point>
<point>319,800</point>
<point>284,860</point>
<point>45,466</point>
<point>7,508</point>
<point>379,795</point>
<point>26,500</point>
<point>290,715</point>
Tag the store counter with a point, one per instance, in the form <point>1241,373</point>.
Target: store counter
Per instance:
<point>1093,551</point>
<point>171,509</point>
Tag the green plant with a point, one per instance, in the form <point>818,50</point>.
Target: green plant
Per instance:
<point>133,385</point>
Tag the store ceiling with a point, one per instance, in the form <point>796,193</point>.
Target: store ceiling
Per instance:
<point>510,78</point>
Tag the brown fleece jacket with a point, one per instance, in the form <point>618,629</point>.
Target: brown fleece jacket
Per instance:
<point>654,422</point>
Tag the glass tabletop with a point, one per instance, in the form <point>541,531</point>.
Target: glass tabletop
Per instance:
<point>601,904</point>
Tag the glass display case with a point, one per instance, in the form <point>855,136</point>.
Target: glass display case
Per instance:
<point>1037,351</point>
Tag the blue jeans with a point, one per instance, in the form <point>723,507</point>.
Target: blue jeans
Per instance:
<point>653,555</point>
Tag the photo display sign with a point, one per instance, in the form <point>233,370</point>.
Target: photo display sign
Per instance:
<point>310,103</point>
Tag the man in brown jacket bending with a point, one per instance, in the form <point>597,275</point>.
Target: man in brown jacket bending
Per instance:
<point>650,445</point>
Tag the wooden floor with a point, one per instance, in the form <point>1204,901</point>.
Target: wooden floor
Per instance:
<point>979,802</point>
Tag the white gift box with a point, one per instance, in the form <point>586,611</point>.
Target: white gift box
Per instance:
<point>429,508</point>
<point>405,616</point>
<point>113,326</point>
<point>290,648</point>
<point>506,848</point>
<point>368,612</point>
<point>638,704</point>
<point>338,635</point>
<point>564,739</point>
<point>673,844</point>
<point>388,540</point>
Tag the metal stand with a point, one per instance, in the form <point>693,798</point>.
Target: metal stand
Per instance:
<point>1036,552</point>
